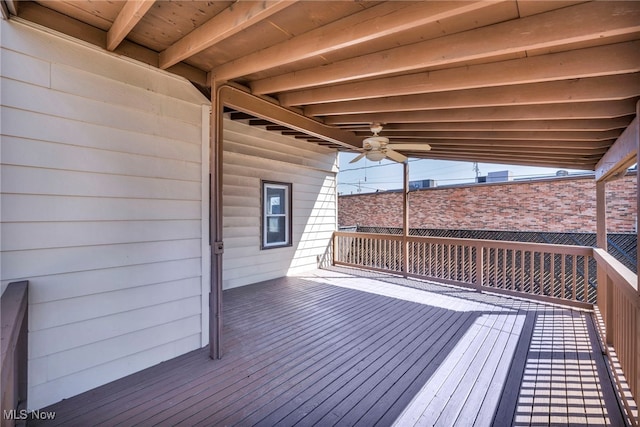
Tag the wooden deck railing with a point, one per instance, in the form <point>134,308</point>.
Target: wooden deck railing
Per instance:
<point>619,305</point>
<point>542,271</point>
<point>14,351</point>
<point>556,273</point>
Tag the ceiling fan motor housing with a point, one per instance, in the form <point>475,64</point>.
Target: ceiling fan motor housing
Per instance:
<point>375,142</point>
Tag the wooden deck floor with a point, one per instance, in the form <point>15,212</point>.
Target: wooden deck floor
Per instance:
<point>332,348</point>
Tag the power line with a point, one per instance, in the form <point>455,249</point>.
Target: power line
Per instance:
<point>430,171</point>
<point>360,186</point>
<point>467,180</point>
<point>377,166</point>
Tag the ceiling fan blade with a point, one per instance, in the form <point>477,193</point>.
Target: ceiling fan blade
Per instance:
<point>395,156</point>
<point>410,147</point>
<point>358,158</point>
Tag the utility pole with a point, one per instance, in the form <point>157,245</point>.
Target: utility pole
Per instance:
<point>476,169</point>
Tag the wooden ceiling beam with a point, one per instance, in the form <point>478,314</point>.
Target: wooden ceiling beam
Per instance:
<point>514,144</point>
<point>569,136</point>
<point>583,111</point>
<point>237,17</point>
<point>570,146</point>
<point>131,13</point>
<point>506,154</point>
<point>586,165</point>
<point>606,88</point>
<point>580,23</point>
<point>613,59</point>
<point>620,156</point>
<point>379,21</point>
<point>517,151</point>
<point>497,126</point>
<point>254,106</point>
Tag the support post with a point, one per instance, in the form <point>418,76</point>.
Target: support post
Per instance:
<point>637,133</point>
<point>601,242</point>
<point>217,247</point>
<point>405,219</point>
<point>601,215</point>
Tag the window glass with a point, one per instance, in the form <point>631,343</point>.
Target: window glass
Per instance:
<point>276,214</point>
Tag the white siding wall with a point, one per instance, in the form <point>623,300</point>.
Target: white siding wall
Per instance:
<point>101,210</point>
<point>252,154</point>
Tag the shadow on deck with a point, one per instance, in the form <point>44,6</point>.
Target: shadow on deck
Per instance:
<point>340,348</point>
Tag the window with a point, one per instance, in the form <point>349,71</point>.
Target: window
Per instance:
<point>276,214</point>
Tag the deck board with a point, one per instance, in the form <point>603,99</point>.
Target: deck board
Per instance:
<point>351,374</point>
<point>336,348</point>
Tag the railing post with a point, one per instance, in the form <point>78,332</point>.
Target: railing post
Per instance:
<point>334,248</point>
<point>637,361</point>
<point>603,293</point>
<point>609,312</point>
<point>405,220</point>
<point>14,343</point>
<point>479,260</point>
<point>405,257</point>
<point>637,146</point>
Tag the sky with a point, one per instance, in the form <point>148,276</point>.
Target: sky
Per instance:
<point>365,176</point>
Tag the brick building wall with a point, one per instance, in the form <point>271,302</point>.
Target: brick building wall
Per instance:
<point>565,204</point>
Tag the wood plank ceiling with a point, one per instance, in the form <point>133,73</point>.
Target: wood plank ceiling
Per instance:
<point>520,82</point>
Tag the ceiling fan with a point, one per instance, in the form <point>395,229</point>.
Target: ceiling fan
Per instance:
<point>376,148</point>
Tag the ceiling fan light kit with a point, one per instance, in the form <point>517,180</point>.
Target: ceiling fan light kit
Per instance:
<point>376,148</point>
<point>375,156</point>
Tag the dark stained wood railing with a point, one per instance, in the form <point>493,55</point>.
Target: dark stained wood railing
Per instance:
<point>619,306</point>
<point>14,351</point>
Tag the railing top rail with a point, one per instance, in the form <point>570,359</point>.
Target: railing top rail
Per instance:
<point>14,305</point>
<point>620,274</point>
<point>478,243</point>
<point>375,236</point>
